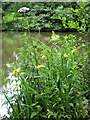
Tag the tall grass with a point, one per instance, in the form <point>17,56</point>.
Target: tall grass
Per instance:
<point>53,80</point>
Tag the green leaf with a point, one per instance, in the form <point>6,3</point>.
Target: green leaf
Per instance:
<point>81,4</point>
<point>76,10</point>
<point>62,107</point>
<point>33,114</point>
<point>34,104</point>
<point>59,17</point>
<point>64,18</point>
<point>66,116</point>
<point>71,104</point>
<point>71,9</point>
<point>39,108</point>
<point>60,116</point>
<point>31,25</point>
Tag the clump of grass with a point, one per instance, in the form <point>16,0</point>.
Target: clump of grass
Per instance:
<point>52,80</point>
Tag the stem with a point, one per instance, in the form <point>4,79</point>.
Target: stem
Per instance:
<point>26,21</point>
<point>35,59</point>
<point>36,65</point>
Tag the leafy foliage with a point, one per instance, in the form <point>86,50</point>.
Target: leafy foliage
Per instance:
<point>50,82</point>
<point>80,23</point>
<point>44,16</point>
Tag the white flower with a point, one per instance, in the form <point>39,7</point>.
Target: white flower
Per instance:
<point>23,9</point>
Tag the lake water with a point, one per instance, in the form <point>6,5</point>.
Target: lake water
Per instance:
<point>11,41</point>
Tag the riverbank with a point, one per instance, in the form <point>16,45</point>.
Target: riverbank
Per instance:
<point>60,59</point>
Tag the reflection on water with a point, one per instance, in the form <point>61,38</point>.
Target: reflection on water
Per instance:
<point>8,88</point>
<point>3,109</point>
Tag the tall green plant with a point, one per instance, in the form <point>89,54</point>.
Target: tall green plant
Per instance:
<point>50,80</point>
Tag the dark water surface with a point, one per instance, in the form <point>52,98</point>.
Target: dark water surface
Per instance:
<point>11,41</point>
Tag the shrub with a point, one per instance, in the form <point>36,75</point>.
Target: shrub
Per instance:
<point>49,81</point>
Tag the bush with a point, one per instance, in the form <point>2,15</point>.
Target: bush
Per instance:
<point>44,15</point>
<point>50,82</point>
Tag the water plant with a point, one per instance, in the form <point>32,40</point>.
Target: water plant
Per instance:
<point>50,80</point>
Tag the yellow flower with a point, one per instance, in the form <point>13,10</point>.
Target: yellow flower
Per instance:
<point>18,70</point>
<point>43,56</point>
<point>65,55</point>
<point>59,17</point>
<point>14,71</point>
<point>22,73</point>
<point>15,87</point>
<point>53,33</point>
<point>72,51</point>
<point>40,66</point>
<point>74,48</point>
<point>75,66</point>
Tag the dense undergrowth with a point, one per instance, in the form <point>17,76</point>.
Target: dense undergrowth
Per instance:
<point>50,82</point>
<point>43,15</point>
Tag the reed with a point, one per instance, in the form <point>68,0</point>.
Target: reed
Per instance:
<point>53,80</point>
